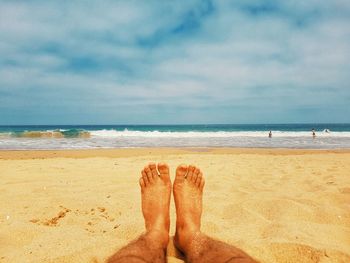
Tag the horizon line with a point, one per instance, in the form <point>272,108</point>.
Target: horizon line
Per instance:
<point>178,124</point>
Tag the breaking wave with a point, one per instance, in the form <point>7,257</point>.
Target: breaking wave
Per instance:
<point>48,134</point>
<point>104,133</point>
<point>214,134</point>
<point>93,138</point>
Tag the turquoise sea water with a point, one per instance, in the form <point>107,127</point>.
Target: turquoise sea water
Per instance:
<point>328,136</point>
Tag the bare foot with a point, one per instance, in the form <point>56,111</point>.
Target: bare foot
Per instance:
<point>155,195</point>
<point>188,191</point>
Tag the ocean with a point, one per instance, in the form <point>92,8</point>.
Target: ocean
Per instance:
<point>42,137</point>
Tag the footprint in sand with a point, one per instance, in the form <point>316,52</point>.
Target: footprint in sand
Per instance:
<point>99,213</point>
<point>52,221</point>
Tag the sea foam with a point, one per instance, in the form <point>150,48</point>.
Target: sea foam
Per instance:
<point>216,134</point>
<point>75,137</point>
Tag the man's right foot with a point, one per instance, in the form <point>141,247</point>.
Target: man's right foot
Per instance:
<point>155,195</point>
<point>188,191</point>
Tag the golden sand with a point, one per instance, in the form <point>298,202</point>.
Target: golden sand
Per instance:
<point>81,206</point>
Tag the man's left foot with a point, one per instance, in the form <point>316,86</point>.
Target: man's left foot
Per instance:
<point>188,193</point>
<point>155,194</point>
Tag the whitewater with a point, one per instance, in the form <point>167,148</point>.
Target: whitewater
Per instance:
<point>38,138</point>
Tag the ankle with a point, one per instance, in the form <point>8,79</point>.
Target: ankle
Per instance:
<point>160,224</point>
<point>185,236</point>
<point>158,237</point>
<point>187,227</point>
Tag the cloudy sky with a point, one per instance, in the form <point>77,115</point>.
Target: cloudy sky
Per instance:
<point>124,62</point>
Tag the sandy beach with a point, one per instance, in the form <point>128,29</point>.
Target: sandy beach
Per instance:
<point>83,205</point>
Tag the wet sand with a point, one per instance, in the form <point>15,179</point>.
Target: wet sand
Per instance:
<point>82,205</point>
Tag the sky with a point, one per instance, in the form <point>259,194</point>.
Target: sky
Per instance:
<point>174,62</point>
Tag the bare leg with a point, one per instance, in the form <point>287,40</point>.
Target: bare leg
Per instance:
<point>155,195</point>
<point>197,247</point>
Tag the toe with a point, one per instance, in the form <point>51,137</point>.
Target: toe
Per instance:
<point>202,184</point>
<point>149,174</point>
<point>142,183</point>
<point>163,169</point>
<point>144,177</point>
<point>153,168</point>
<point>181,172</point>
<point>199,179</point>
<point>189,176</point>
<point>195,175</point>
<point>197,170</point>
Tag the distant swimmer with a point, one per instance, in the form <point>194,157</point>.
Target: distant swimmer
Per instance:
<point>313,133</point>
<point>270,134</point>
<point>326,131</point>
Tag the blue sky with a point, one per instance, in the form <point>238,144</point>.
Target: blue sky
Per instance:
<point>134,62</point>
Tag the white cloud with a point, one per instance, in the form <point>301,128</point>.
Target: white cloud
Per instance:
<point>293,54</point>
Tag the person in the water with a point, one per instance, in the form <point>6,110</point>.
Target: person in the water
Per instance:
<point>187,188</point>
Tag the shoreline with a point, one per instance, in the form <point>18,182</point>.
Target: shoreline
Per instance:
<point>129,152</point>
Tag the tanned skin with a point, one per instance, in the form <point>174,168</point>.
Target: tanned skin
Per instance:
<point>188,191</point>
